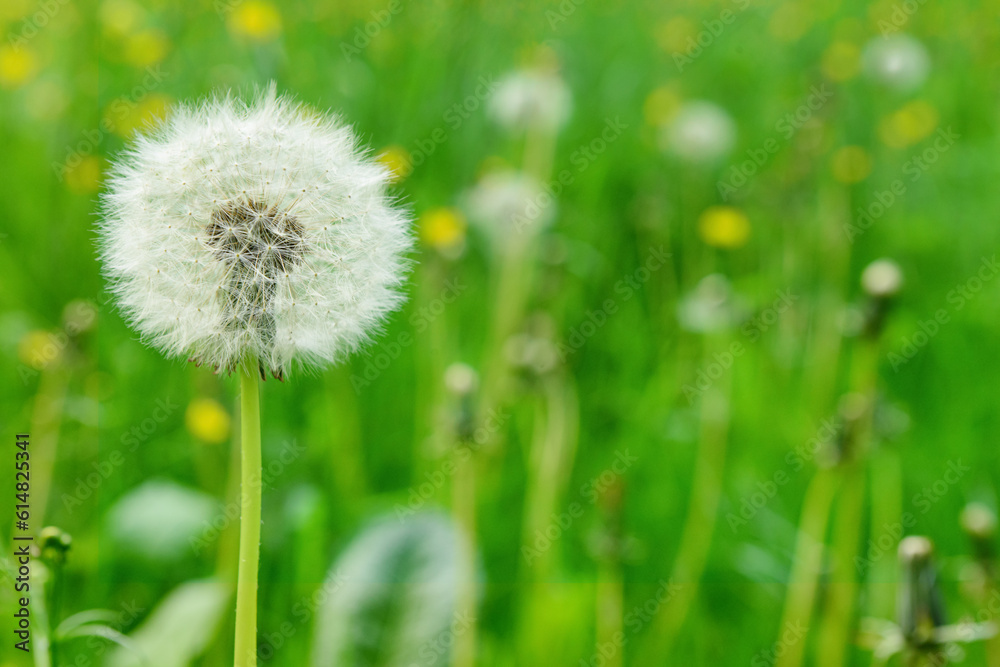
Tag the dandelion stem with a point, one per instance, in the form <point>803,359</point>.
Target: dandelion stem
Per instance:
<point>250,493</point>
<point>464,508</point>
<point>808,562</point>
<point>699,524</point>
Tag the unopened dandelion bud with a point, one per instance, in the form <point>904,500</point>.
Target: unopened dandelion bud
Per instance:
<point>53,545</point>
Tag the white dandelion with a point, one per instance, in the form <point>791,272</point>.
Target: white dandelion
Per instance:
<point>253,231</point>
<point>251,237</point>
<point>882,278</point>
<point>505,202</point>
<point>897,61</point>
<point>712,306</point>
<point>533,98</point>
<point>701,132</point>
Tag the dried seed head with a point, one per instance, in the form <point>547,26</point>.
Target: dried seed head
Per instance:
<point>235,231</point>
<point>979,521</point>
<point>461,379</point>
<point>882,279</point>
<point>921,609</point>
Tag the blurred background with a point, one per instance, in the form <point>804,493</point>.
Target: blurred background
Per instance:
<point>701,327</point>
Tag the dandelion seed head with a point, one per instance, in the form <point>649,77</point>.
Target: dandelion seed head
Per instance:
<point>897,61</point>
<point>711,306</point>
<point>701,133</point>
<point>509,201</point>
<point>531,98</point>
<point>237,229</point>
<point>882,278</point>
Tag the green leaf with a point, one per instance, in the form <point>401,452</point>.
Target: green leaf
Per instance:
<point>181,627</point>
<point>109,633</point>
<point>84,618</point>
<point>391,596</point>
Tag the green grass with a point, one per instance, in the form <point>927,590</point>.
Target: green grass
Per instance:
<point>365,450</point>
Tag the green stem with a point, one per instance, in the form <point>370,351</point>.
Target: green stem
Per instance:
<point>807,564</point>
<point>699,525</point>
<point>250,493</point>
<point>464,509</point>
<point>839,616</point>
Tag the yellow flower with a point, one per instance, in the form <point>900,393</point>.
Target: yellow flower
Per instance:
<point>125,117</point>
<point>851,164</point>
<point>17,66</point>
<point>146,48</point>
<point>660,105</point>
<point>257,20</point>
<point>908,125</point>
<point>724,227</point>
<point>39,349</point>
<point>841,61</point>
<point>442,228</point>
<point>398,161</point>
<point>207,420</point>
<point>85,176</point>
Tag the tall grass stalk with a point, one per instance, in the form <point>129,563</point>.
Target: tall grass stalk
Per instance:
<point>703,507</point>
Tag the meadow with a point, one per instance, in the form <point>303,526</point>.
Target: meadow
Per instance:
<point>698,332</point>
